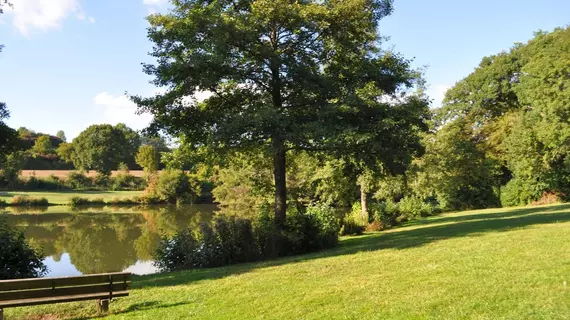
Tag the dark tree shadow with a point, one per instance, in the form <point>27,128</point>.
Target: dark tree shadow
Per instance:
<point>400,238</point>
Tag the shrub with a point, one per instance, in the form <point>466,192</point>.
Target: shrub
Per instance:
<point>148,199</point>
<point>519,192</point>
<point>123,202</point>
<point>125,181</point>
<point>175,186</point>
<point>24,201</point>
<point>235,240</point>
<point>77,180</point>
<point>3,203</point>
<point>52,182</point>
<point>350,227</point>
<point>17,258</point>
<point>414,208</point>
<point>32,183</point>
<point>79,201</point>
<point>102,181</point>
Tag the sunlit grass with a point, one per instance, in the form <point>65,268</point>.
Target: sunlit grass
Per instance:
<point>489,264</point>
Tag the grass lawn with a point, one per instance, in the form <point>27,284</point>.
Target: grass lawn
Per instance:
<point>488,264</point>
<point>63,197</point>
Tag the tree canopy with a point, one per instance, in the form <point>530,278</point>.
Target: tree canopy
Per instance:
<point>304,75</point>
<point>102,147</point>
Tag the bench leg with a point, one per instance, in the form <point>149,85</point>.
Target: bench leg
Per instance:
<point>1,314</point>
<point>102,306</point>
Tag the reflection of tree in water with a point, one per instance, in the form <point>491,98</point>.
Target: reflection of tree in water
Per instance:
<point>146,245</point>
<point>99,242</point>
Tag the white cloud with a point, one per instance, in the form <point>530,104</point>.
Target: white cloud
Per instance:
<point>91,19</point>
<point>437,93</point>
<point>119,109</point>
<point>28,15</point>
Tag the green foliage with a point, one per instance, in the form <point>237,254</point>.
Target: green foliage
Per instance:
<point>103,147</point>
<point>23,201</point>
<point>43,146</point>
<point>519,192</point>
<point>304,76</point>
<point>516,103</point>
<point>80,201</point>
<point>17,258</point>
<point>148,158</point>
<point>230,240</point>
<point>102,181</point>
<point>414,208</point>
<point>65,152</point>
<point>175,186</point>
<point>351,227</point>
<point>455,171</point>
<point>8,136</point>
<point>11,168</point>
<point>61,135</point>
<point>78,180</point>
<point>124,181</point>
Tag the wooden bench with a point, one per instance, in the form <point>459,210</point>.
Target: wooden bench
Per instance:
<point>29,292</point>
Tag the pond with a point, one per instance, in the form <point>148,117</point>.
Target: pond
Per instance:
<point>100,240</point>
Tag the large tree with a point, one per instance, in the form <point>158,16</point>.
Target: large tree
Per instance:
<point>283,75</point>
<point>517,103</point>
<point>101,148</point>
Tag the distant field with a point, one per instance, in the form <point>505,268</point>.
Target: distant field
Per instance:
<point>64,197</point>
<point>64,173</point>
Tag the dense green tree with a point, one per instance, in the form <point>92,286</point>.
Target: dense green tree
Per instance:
<point>8,136</point>
<point>455,171</point>
<point>43,146</point>
<point>517,104</point>
<point>100,148</point>
<point>132,146</point>
<point>12,166</point>
<point>17,258</point>
<point>65,152</point>
<point>148,158</point>
<point>25,133</point>
<point>304,75</point>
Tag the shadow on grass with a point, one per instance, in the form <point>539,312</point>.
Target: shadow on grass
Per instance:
<point>147,305</point>
<point>402,238</point>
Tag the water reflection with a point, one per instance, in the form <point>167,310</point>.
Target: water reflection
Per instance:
<point>99,240</point>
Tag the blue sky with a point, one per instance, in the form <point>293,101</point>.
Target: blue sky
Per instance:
<point>68,63</point>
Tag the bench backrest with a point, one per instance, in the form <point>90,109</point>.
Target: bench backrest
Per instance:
<point>25,292</point>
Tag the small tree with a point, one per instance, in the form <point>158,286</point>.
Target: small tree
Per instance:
<point>148,158</point>
<point>17,258</point>
<point>43,145</point>
<point>65,152</point>
<point>61,135</point>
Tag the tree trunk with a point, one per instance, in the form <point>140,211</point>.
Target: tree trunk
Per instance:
<point>364,203</point>
<point>279,166</point>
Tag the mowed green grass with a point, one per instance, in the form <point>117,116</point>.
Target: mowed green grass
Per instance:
<point>63,197</point>
<point>490,264</point>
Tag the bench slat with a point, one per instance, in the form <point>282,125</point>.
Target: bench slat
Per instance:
<point>25,284</point>
<point>61,292</point>
<point>82,297</point>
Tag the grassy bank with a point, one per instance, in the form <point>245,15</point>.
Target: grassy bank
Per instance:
<point>63,197</point>
<point>503,263</point>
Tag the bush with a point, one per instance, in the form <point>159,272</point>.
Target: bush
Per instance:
<point>236,240</point>
<point>519,192</point>
<point>350,227</point>
<point>125,181</point>
<point>17,258</point>
<point>77,180</point>
<point>25,201</point>
<point>79,201</point>
<point>102,181</point>
<point>175,186</point>
<point>52,183</point>
<point>3,203</point>
<point>414,208</point>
